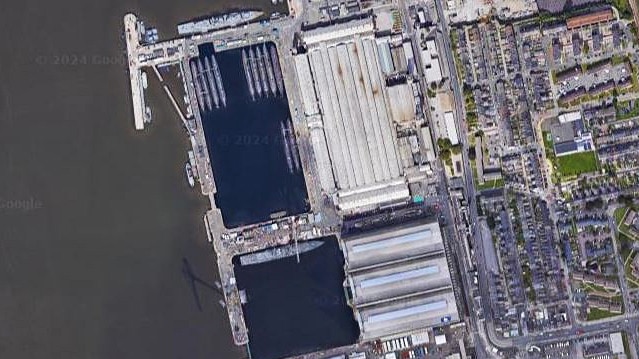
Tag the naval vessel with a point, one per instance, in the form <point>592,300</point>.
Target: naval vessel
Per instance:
<point>262,69</point>
<point>256,78</point>
<point>198,87</point>
<point>276,253</point>
<point>218,80</point>
<point>217,22</point>
<point>247,73</point>
<point>287,147</point>
<point>210,78</point>
<point>269,70</point>
<point>207,96</point>
<point>277,70</point>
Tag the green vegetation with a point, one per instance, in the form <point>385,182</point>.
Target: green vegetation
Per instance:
<point>550,155</point>
<point>633,282</point>
<point>619,214</point>
<point>573,165</point>
<point>497,183</point>
<point>516,223</point>
<point>618,59</point>
<point>454,41</point>
<point>626,109</point>
<point>473,166</point>
<point>471,108</point>
<point>625,246</point>
<point>584,67</point>
<point>625,12</point>
<point>626,344</point>
<point>446,149</point>
<point>624,229</point>
<point>591,287</point>
<point>596,314</point>
<point>527,277</point>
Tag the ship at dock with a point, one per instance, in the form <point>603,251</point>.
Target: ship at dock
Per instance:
<point>218,22</point>
<point>278,71</point>
<point>247,73</point>
<point>198,86</point>
<point>218,80</point>
<point>189,174</point>
<point>256,79</point>
<point>269,70</point>
<point>262,68</point>
<point>211,81</point>
<point>276,253</point>
<point>205,93</point>
<point>290,148</point>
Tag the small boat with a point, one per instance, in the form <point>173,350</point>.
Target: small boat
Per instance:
<point>145,82</point>
<point>189,174</point>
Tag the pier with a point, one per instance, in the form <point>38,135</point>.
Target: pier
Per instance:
<point>140,56</point>
<point>132,37</point>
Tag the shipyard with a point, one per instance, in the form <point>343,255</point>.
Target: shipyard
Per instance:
<point>311,139</point>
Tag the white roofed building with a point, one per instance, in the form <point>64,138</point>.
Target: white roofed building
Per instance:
<point>350,114</point>
<point>430,61</point>
<point>451,128</point>
<point>399,280</point>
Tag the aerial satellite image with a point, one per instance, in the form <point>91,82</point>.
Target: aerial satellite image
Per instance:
<point>319,179</point>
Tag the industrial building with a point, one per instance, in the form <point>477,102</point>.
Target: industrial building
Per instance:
<point>451,128</point>
<point>597,17</point>
<point>570,136</point>
<point>399,280</point>
<point>347,104</point>
<point>430,60</point>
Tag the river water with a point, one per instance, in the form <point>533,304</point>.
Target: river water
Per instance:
<point>102,246</point>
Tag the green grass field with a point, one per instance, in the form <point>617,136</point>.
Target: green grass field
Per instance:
<point>619,214</point>
<point>596,313</point>
<point>498,183</point>
<point>577,163</point>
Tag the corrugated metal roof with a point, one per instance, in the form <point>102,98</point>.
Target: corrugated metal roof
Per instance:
<point>412,274</point>
<point>394,241</point>
<point>405,312</point>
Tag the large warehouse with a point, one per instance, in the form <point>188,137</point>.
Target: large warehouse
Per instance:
<point>346,102</point>
<point>399,280</point>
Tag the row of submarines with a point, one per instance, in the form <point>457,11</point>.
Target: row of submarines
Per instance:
<point>262,71</point>
<point>209,88</point>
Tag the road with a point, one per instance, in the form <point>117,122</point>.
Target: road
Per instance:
<point>627,322</point>
<point>483,331</point>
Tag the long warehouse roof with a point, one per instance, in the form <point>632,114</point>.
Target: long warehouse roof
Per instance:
<point>387,246</point>
<point>408,315</point>
<point>390,283</point>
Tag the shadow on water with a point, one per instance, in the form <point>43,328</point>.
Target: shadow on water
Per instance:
<point>195,280</point>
